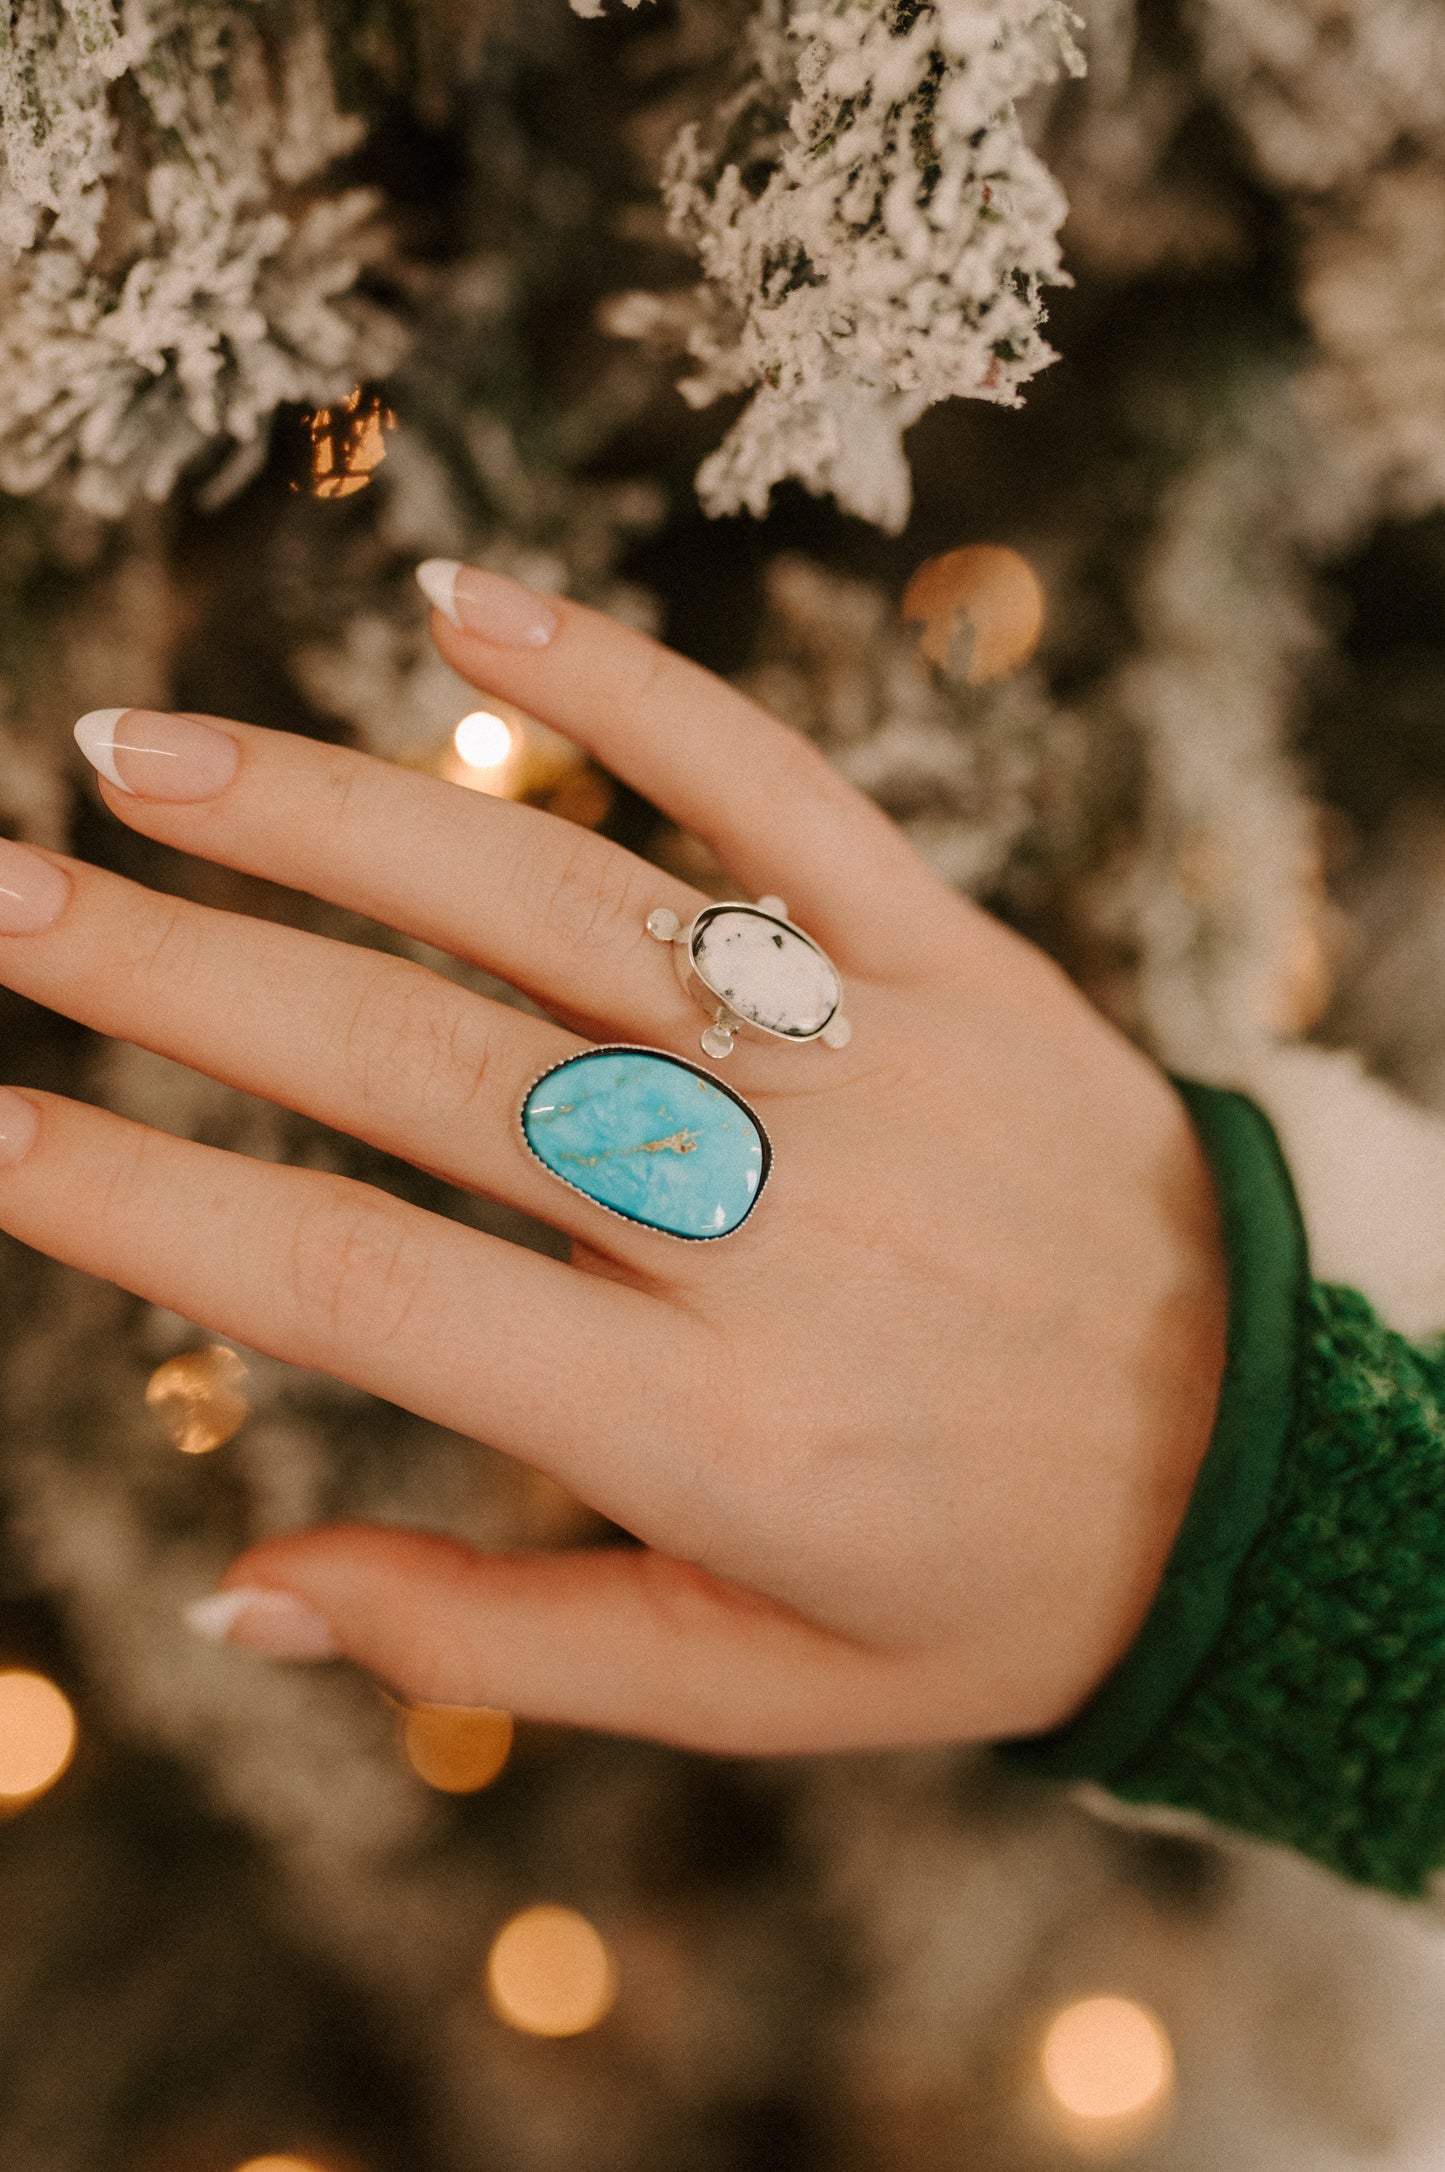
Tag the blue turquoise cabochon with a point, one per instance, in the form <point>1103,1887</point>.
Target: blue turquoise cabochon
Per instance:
<point>652,1137</point>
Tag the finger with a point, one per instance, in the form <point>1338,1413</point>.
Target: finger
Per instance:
<point>543,904</point>
<point>774,811</point>
<point>375,1046</point>
<point>633,1642</point>
<point>497,1342</point>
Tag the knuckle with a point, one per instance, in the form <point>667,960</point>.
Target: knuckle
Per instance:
<point>342,775</point>
<point>650,677</point>
<point>681,1599</point>
<point>592,902</point>
<point>355,1272</point>
<point>164,951</point>
<point>123,1194</point>
<point>413,1043</point>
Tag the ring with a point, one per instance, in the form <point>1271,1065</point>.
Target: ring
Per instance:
<point>753,971</point>
<point>650,1136</point>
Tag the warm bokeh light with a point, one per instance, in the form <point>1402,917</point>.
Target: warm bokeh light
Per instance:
<point>346,444</point>
<point>198,1398</point>
<point>508,754</point>
<point>456,1748</point>
<point>483,740</point>
<point>549,1973</point>
<point>1107,2058</point>
<point>37,1735</point>
<point>279,2164</point>
<point>980,610</point>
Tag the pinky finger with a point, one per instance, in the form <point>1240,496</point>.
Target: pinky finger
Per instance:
<point>628,1641</point>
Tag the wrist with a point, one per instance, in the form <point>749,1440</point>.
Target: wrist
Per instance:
<point>1181,1382</point>
<point>1204,1501</point>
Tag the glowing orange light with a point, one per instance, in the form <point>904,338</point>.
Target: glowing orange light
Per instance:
<point>347,444</point>
<point>1107,2058</point>
<point>483,739</point>
<point>980,611</point>
<point>37,1736</point>
<point>198,1398</point>
<point>457,1748</point>
<point>279,2164</point>
<point>549,1974</point>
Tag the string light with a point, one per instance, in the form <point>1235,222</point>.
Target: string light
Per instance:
<point>457,1749</point>
<point>1108,2059</point>
<point>37,1736</point>
<point>491,750</point>
<point>549,1973</point>
<point>198,1398</point>
<point>484,740</point>
<point>504,751</point>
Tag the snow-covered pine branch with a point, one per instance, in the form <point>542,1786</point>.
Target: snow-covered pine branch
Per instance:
<point>874,233</point>
<point>167,281</point>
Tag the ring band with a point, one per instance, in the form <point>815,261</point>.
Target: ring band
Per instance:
<point>753,971</point>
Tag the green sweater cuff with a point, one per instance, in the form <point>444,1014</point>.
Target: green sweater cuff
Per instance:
<point>1290,1679</point>
<point>1268,1259</point>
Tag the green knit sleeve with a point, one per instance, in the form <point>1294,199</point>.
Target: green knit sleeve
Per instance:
<point>1290,1679</point>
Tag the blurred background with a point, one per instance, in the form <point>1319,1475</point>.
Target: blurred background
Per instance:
<point>1061,442</point>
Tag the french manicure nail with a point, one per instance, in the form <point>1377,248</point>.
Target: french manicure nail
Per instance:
<point>33,890</point>
<point>263,1621</point>
<point>152,755</point>
<point>19,1122</point>
<point>481,602</point>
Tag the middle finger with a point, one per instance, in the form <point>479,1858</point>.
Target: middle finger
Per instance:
<point>550,907</point>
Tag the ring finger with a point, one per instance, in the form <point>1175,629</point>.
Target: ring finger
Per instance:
<point>373,1045</point>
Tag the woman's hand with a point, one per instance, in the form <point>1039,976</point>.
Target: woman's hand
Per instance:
<point>906,1453</point>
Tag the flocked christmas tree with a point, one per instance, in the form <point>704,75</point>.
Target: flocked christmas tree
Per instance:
<point>726,315</point>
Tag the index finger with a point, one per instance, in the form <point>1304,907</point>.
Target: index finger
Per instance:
<point>772,808</point>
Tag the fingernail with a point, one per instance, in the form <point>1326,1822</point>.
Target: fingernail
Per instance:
<point>488,604</point>
<point>19,1122</point>
<point>155,756</point>
<point>32,890</point>
<point>263,1621</point>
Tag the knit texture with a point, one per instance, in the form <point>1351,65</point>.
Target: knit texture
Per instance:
<point>1289,1680</point>
<point>1319,1717</point>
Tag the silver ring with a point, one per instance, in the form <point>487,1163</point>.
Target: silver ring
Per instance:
<point>752,971</point>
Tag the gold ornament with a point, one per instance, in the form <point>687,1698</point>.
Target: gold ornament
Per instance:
<point>198,1398</point>
<point>981,611</point>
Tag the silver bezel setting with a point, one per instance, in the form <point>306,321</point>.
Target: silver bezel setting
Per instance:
<point>725,1023</point>
<point>685,1063</point>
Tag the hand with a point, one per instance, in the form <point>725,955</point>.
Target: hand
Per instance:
<point>906,1454</point>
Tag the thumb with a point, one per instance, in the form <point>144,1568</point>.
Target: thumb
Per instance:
<point>625,1640</point>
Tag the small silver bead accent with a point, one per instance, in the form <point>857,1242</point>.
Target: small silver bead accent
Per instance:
<point>838,1032</point>
<point>717,1041</point>
<point>663,923</point>
<point>773,905</point>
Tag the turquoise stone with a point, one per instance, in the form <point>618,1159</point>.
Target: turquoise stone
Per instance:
<point>650,1136</point>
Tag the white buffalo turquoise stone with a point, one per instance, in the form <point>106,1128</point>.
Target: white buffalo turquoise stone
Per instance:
<point>651,1137</point>
<point>766,972</point>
